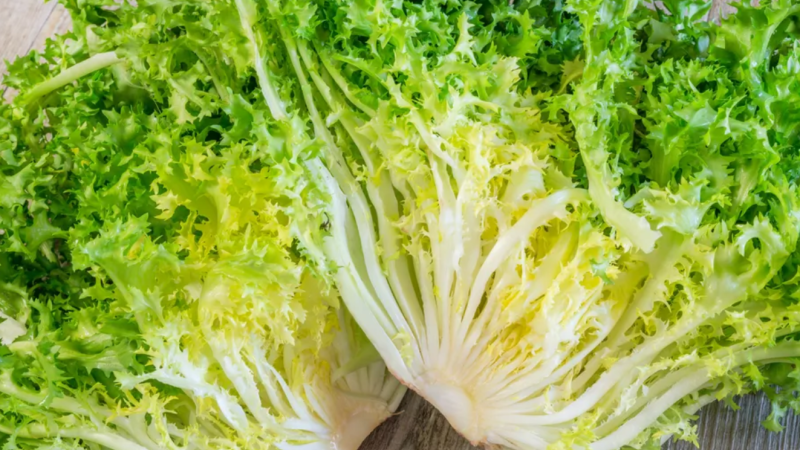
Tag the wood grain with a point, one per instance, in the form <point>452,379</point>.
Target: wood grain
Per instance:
<point>22,23</point>
<point>26,24</point>
<point>58,22</point>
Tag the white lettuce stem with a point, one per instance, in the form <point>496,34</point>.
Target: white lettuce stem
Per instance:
<point>467,266</point>
<point>443,246</point>
<point>382,199</point>
<point>690,383</point>
<point>642,354</point>
<point>647,395</point>
<point>525,374</point>
<point>397,269</point>
<point>286,404</point>
<point>81,69</point>
<point>646,352</point>
<point>356,200</point>
<point>105,438</point>
<point>532,382</point>
<point>349,281</point>
<point>665,257</point>
<point>88,409</point>
<point>274,102</point>
<point>670,250</point>
<point>63,404</point>
<point>592,395</point>
<point>540,212</point>
<point>228,353</point>
<point>431,342</point>
<point>434,144</point>
<point>101,436</point>
<point>445,241</point>
<point>594,155</point>
<point>633,427</point>
<point>341,83</point>
<point>649,392</point>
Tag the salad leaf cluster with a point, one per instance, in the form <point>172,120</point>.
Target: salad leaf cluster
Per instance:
<point>582,263</point>
<point>568,225</point>
<point>153,295</point>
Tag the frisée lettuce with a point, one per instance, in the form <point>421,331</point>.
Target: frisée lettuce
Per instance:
<point>565,225</point>
<point>152,293</point>
<point>568,225</point>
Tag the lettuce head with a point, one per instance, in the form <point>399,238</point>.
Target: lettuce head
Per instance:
<point>153,294</point>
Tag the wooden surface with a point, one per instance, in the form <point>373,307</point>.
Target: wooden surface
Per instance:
<point>26,24</point>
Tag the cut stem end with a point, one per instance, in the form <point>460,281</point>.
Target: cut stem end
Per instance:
<point>355,429</point>
<point>458,407</point>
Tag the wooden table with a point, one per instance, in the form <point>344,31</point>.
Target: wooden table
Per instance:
<point>26,24</point>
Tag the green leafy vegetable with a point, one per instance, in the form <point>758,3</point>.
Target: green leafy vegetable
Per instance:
<point>579,258</point>
<point>153,294</point>
<point>567,225</point>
